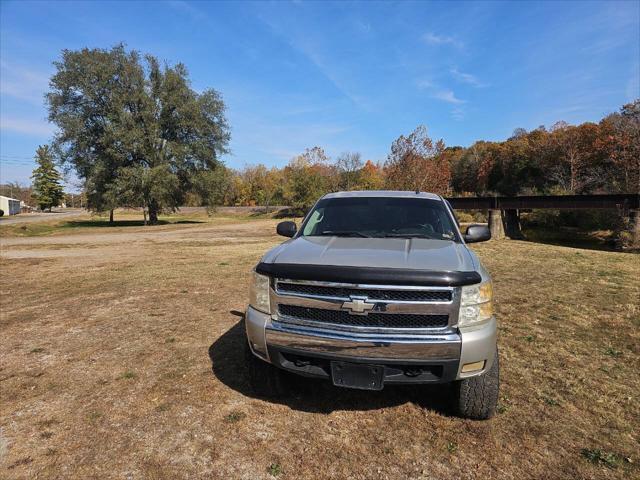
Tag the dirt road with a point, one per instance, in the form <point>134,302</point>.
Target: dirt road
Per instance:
<point>41,216</point>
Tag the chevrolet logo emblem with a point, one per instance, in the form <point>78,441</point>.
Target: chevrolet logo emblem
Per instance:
<point>358,306</point>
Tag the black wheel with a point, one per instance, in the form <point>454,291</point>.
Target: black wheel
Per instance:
<point>477,397</point>
<point>265,379</point>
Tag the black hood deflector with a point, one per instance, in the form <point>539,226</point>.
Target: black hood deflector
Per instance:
<point>368,275</point>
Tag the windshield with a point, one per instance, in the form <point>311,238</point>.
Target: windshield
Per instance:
<point>380,218</point>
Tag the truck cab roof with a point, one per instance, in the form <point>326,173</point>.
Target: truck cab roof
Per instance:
<point>383,193</point>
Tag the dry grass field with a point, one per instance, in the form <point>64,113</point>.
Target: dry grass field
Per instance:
<point>121,357</point>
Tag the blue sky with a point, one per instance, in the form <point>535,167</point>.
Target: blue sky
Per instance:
<point>344,76</point>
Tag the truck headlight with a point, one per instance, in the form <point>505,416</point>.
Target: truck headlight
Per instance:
<point>259,293</point>
<point>476,304</point>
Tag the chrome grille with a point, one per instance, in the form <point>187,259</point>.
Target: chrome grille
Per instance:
<point>365,308</point>
<point>375,319</point>
<point>371,294</point>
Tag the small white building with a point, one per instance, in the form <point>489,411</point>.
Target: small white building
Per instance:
<point>10,206</point>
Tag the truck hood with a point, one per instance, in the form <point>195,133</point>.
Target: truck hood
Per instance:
<point>403,253</point>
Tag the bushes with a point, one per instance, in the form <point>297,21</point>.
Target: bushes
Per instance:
<point>471,216</point>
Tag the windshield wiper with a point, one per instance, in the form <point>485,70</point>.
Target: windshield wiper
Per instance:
<point>345,233</point>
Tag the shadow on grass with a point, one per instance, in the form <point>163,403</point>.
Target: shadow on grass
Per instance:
<point>123,223</point>
<point>276,213</point>
<point>570,238</point>
<point>228,363</point>
<point>289,213</point>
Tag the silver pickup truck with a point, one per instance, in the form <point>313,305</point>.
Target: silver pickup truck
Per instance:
<point>376,288</point>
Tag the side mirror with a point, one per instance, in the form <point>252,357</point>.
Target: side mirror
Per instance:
<point>287,229</point>
<point>477,233</point>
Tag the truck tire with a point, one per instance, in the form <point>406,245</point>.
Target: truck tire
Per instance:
<point>264,379</point>
<point>477,397</point>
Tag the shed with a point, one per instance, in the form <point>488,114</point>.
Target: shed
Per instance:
<point>10,206</point>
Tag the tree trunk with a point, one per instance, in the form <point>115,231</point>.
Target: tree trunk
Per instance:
<point>153,214</point>
<point>495,224</point>
<point>634,224</point>
<point>111,216</point>
<point>512,224</point>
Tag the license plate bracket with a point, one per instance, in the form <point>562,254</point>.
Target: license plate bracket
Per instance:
<point>357,375</point>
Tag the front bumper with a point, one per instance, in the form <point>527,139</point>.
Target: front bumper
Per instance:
<point>296,348</point>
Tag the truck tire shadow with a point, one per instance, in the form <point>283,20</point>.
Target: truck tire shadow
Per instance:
<point>313,395</point>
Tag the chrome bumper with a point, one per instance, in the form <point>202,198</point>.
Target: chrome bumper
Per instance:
<point>468,346</point>
<point>341,344</point>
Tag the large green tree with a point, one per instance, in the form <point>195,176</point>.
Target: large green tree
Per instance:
<point>135,131</point>
<point>47,186</point>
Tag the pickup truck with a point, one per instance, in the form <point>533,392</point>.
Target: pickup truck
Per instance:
<point>376,288</point>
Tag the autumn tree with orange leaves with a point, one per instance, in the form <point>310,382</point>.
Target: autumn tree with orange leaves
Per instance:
<point>415,163</point>
<point>601,157</point>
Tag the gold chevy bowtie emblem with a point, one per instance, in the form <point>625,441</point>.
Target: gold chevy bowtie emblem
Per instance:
<point>358,306</point>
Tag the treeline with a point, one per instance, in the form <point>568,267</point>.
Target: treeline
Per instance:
<point>599,157</point>
<point>138,135</point>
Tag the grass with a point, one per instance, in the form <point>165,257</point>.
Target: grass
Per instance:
<point>599,457</point>
<point>125,220</point>
<point>612,352</point>
<point>234,417</point>
<point>552,402</point>
<point>275,469</point>
<point>141,370</point>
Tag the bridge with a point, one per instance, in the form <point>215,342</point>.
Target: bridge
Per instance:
<point>504,212</point>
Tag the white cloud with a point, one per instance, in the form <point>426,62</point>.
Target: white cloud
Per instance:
<point>447,96</point>
<point>434,39</point>
<point>186,7</point>
<point>36,128</point>
<point>23,83</point>
<point>423,84</point>
<point>265,137</point>
<point>363,26</point>
<point>467,78</point>
<point>311,48</point>
<point>458,113</point>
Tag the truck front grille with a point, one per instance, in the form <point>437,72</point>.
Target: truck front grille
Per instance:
<point>374,319</point>
<point>370,293</point>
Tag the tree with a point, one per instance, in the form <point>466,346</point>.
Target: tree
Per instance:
<point>349,165</point>
<point>17,191</point>
<point>415,164</point>
<point>370,177</point>
<point>260,185</point>
<point>315,156</point>
<point>574,164</point>
<point>307,178</point>
<point>619,142</point>
<point>518,133</point>
<point>271,187</point>
<point>47,189</point>
<point>136,132</point>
